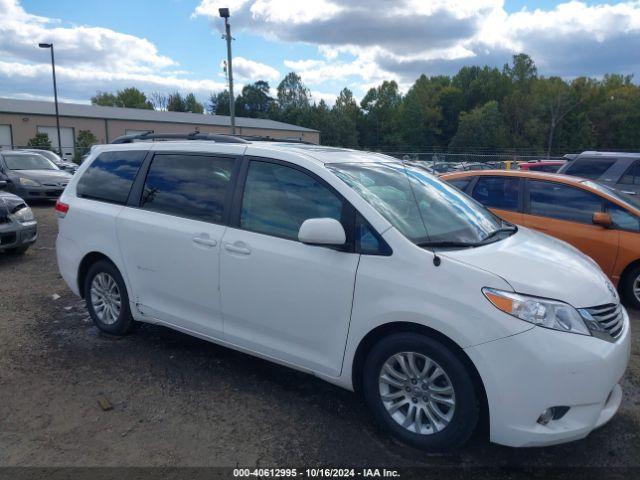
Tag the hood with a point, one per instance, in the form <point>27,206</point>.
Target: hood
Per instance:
<point>43,176</point>
<point>536,264</point>
<point>8,204</point>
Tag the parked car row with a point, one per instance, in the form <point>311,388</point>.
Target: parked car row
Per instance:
<point>32,176</point>
<point>363,270</point>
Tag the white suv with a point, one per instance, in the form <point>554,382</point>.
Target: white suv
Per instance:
<point>359,269</point>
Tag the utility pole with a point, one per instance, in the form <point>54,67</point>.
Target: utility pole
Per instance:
<point>224,13</point>
<point>55,93</point>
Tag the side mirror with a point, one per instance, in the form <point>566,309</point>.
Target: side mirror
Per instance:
<point>603,219</point>
<point>3,184</point>
<point>322,231</point>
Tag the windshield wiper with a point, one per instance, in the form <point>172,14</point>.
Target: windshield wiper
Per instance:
<point>504,229</point>
<point>448,244</point>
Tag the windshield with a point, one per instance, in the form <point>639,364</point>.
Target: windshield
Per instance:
<point>51,156</point>
<point>629,200</point>
<point>29,162</point>
<point>424,209</point>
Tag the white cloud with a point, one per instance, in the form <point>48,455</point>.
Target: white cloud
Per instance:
<point>250,71</point>
<point>405,38</point>
<point>93,58</point>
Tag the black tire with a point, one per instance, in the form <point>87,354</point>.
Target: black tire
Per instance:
<point>466,412</point>
<point>629,281</point>
<point>124,321</point>
<point>18,250</point>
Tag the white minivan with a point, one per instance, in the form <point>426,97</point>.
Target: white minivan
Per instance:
<point>357,268</point>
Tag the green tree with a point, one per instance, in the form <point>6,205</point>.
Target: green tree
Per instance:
<point>192,105</point>
<point>254,101</point>
<point>346,114</point>
<point>292,93</point>
<point>219,103</point>
<point>481,129</point>
<point>84,141</point>
<point>40,141</point>
<point>380,107</point>
<point>128,98</point>
<point>105,99</point>
<point>419,115</point>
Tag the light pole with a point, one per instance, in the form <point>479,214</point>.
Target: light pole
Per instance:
<point>224,13</point>
<point>55,92</point>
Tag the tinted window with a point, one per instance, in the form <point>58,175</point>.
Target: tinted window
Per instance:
<point>461,183</point>
<point>367,240</point>
<point>188,186</point>
<point>545,168</point>
<point>498,192</point>
<point>110,176</point>
<point>623,219</point>
<point>632,175</point>
<point>278,199</point>
<point>555,200</point>
<point>592,168</point>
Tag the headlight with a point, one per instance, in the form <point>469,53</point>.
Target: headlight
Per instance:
<point>27,182</point>
<point>539,311</point>
<point>24,215</point>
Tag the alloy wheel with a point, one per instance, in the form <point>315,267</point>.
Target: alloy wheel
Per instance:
<point>105,298</point>
<point>417,393</point>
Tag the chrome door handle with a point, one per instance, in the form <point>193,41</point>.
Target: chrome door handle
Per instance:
<point>207,242</point>
<point>238,247</point>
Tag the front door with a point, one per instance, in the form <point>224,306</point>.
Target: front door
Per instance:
<point>281,298</point>
<point>566,212</point>
<point>501,195</point>
<point>171,241</point>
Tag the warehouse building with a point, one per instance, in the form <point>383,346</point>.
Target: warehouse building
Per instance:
<point>20,120</point>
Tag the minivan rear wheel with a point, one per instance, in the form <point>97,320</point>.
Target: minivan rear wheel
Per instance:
<point>420,392</point>
<point>631,287</point>
<point>106,298</point>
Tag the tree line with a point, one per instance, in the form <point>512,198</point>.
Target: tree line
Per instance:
<point>479,109</point>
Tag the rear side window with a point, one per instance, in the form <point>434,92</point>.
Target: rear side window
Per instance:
<point>461,183</point>
<point>278,199</point>
<point>110,176</point>
<point>591,168</point>
<point>190,186</point>
<point>498,192</point>
<point>563,202</point>
<point>632,175</point>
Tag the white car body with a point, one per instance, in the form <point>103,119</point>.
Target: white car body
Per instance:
<point>311,308</point>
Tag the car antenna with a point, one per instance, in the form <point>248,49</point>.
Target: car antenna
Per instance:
<point>436,258</point>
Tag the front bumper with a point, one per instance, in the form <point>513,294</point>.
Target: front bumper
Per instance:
<point>15,234</point>
<point>529,372</point>
<point>40,193</point>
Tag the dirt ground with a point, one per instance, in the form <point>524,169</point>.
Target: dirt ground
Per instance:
<point>180,401</point>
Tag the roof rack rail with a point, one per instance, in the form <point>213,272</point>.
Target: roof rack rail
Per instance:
<point>196,135</point>
<point>266,138</point>
<point>213,137</point>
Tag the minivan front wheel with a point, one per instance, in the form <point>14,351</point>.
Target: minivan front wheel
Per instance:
<point>107,299</point>
<point>420,392</point>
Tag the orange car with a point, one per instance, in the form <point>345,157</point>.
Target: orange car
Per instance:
<point>597,220</point>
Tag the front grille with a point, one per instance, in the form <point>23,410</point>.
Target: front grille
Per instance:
<point>608,318</point>
<point>8,238</point>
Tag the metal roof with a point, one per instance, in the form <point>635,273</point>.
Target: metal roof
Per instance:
<point>36,107</point>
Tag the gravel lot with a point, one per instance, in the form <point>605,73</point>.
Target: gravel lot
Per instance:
<point>180,401</point>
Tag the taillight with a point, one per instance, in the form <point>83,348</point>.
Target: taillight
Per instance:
<point>61,208</point>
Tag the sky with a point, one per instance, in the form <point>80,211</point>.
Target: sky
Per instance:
<point>176,45</point>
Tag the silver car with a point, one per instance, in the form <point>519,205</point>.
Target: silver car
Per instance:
<point>32,176</point>
<point>18,226</point>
